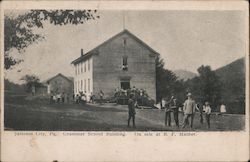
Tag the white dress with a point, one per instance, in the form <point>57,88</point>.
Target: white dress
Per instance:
<point>223,109</point>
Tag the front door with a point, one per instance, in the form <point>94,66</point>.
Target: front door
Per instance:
<point>125,85</point>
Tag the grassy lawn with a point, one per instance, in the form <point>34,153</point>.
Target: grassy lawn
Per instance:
<point>39,115</point>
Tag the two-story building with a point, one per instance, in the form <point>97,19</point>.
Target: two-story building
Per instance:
<point>122,61</point>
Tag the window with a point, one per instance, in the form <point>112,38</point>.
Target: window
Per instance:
<point>124,42</point>
<point>125,63</point>
<point>88,64</point>
<point>84,85</point>
<point>78,68</point>
<point>88,85</point>
<point>81,85</point>
<point>75,86</point>
<point>84,66</point>
<point>78,86</point>
<point>125,85</point>
<point>81,68</point>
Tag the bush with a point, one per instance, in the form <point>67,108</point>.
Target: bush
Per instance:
<point>236,107</point>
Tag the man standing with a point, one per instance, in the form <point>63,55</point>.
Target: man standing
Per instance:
<point>67,97</point>
<point>167,112</point>
<point>116,95</point>
<point>189,110</point>
<point>63,97</point>
<point>91,99</point>
<point>73,96</point>
<point>200,110</point>
<point>163,103</point>
<point>51,97</point>
<point>207,110</point>
<point>174,106</point>
<point>101,94</point>
<point>131,110</point>
<point>58,96</point>
<point>223,109</point>
<point>77,98</point>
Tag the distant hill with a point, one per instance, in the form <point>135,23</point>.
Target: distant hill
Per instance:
<point>184,74</point>
<point>233,89</point>
<point>234,69</point>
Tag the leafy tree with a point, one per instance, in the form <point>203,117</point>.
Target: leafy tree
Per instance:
<point>31,81</point>
<point>206,86</point>
<point>18,30</point>
<point>166,82</point>
<point>13,87</point>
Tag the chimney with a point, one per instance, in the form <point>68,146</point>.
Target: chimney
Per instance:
<point>82,52</point>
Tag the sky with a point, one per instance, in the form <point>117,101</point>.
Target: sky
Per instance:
<point>184,39</point>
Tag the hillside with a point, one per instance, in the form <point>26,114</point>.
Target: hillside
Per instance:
<point>232,77</point>
<point>184,74</point>
<point>235,69</point>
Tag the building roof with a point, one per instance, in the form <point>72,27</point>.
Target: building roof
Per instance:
<point>70,78</point>
<point>59,74</point>
<point>93,51</point>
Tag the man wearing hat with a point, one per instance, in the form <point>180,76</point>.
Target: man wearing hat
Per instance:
<point>174,106</point>
<point>167,111</point>
<point>189,110</point>
<point>207,110</point>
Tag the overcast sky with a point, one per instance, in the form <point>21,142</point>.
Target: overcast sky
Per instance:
<point>185,40</point>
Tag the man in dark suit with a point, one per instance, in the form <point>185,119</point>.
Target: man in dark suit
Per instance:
<point>131,110</point>
<point>166,106</point>
<point>174,106</point>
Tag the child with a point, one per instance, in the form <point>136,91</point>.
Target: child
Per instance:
<point>207,111</point>
<point>101,94</point>
<point>63,97</point>
<point>77,99</point>
<point>58,96</point>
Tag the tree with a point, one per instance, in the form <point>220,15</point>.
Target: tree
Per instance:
<point>18,30</point>
<point>166,81</point>
<point>206,86</point>
<point>31,81</point>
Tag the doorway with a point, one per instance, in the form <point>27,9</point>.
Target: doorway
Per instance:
<point>125,85</point>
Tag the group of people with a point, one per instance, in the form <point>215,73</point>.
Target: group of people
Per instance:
<point>173,106</point>
<point>83,97</point>
<point>121,95</point>
<point>188,108</point>
<point>59,97</point>
<point>80,98</point>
